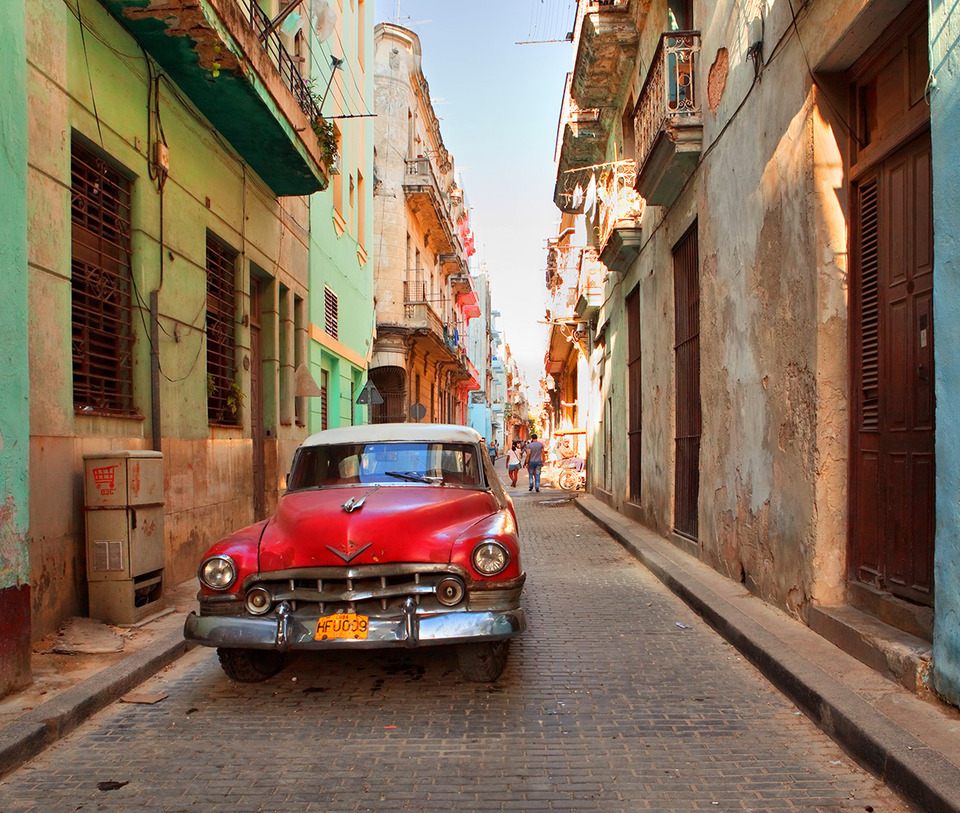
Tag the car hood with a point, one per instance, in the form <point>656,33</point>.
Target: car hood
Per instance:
<point>393,524</point>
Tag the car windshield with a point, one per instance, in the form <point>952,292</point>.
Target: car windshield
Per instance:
<point>386,463</point>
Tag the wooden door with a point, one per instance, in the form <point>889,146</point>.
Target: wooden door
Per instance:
<point>892,521</point>
<point>686,281</point>
<point>634,406</point>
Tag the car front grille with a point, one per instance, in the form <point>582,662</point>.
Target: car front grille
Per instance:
<point>370,589</point>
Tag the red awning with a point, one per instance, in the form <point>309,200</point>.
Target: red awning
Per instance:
<point>570,432</point>
<point>469,304</point>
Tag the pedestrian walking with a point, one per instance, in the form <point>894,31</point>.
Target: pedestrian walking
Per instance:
<point>492,451</point>
<point>514,460</point>
<point>534,462</point>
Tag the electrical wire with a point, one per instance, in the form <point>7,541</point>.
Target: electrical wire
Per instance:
<point>826,96</point>
<point>86,59</point>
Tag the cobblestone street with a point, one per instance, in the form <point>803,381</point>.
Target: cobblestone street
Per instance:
<point>617,698</point>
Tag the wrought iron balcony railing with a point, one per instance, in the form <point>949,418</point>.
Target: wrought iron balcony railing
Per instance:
<point>618,200</point>
<point>285,64</point>
<point>670,93</point>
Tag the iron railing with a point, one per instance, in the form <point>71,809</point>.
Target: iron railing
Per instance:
<point>101,285</point>
<point>670,89</point>
<point>223,395</point>
<point>618,199</point>
<point>286,65</point>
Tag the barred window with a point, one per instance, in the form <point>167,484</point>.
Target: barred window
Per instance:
<point>224,397</point>
<point>101,283</point>
<point>331,322</point>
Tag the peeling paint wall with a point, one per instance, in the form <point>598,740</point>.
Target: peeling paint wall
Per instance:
<point>945,113</point>
<point>209,484</point>
<point>769,200</point>
<point>14,370</point>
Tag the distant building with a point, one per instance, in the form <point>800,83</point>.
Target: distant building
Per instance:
<point>422,289</point>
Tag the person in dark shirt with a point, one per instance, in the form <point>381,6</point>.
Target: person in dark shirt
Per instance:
<point>534,462</point>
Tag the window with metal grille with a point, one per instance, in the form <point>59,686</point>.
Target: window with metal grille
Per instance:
<point>224,397</point>
<point>331,323</point>
<point>101,284</point>
<point>686,281</point>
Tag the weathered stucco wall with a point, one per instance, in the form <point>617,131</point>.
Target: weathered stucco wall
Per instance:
<point>768,202</point>
<point>208,470</point>
<point>945,113</point>
<point>14,370</point>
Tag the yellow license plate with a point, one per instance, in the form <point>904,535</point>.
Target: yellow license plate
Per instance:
<point>342,625</point>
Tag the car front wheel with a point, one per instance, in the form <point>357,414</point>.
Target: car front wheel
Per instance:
<point>250,665</point>
<point>484,662</point>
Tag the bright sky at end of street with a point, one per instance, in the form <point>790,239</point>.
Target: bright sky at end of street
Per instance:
<point>498,104</point>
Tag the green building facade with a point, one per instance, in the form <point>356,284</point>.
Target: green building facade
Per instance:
<point>341,225</point>
<point>160,241</point>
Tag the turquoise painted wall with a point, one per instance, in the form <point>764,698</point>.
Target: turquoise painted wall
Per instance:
<point>14,369</point>
<point>14,366</point>
<point>341,221</point>
<point>945,117</point>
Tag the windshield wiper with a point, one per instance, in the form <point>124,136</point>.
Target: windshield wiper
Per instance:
<point>414,477</point>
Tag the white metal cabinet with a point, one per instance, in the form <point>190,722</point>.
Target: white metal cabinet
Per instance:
<point>123,496</point>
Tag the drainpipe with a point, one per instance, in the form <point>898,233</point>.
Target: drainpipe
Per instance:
<point>155,368</point>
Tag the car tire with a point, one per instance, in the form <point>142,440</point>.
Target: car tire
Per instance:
<point>568,479</point>
<point>483,663</point>
<point>250,665</point>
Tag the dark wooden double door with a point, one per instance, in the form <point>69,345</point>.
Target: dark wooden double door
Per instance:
<point>893,472</point>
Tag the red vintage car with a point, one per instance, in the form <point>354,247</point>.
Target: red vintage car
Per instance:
<point>391,535</point>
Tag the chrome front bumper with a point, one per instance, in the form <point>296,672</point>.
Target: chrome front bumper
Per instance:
<point>291,631</point>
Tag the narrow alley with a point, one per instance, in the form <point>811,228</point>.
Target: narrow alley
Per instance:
<point>617,698</point>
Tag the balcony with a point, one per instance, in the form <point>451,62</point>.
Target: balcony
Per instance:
<point>581,142</point>
<point>667,121</point>
<point>590,281</point>
<point>431,206</point>
<point>563,273</point>
<point>223,57</point>
<point>605,42</point>
<point>621,216</point>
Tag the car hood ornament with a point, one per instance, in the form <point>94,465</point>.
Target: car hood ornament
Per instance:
<point>354,504</point>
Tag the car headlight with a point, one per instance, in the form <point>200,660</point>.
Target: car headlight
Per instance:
<point>490,557</point>
<point>218,572</point>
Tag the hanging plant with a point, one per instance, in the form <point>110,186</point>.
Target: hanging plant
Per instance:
<point>234,398</point>
<point>326,138</point>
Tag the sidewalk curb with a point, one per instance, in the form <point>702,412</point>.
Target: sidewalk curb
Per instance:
<point>45,724</point>
<point>917,772</point>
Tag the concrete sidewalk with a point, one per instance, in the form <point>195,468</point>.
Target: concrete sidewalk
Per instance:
<point>911,743</point>
<point>68,689</point>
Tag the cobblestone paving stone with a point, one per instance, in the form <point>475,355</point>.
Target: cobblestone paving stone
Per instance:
<point>617,698</point>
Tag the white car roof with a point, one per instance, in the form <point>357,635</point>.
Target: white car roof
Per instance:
<point>384,432</point>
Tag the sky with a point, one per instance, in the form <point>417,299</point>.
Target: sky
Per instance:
<point>498,104</point>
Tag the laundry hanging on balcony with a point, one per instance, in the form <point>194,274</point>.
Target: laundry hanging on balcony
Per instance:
<point>590,196</point>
